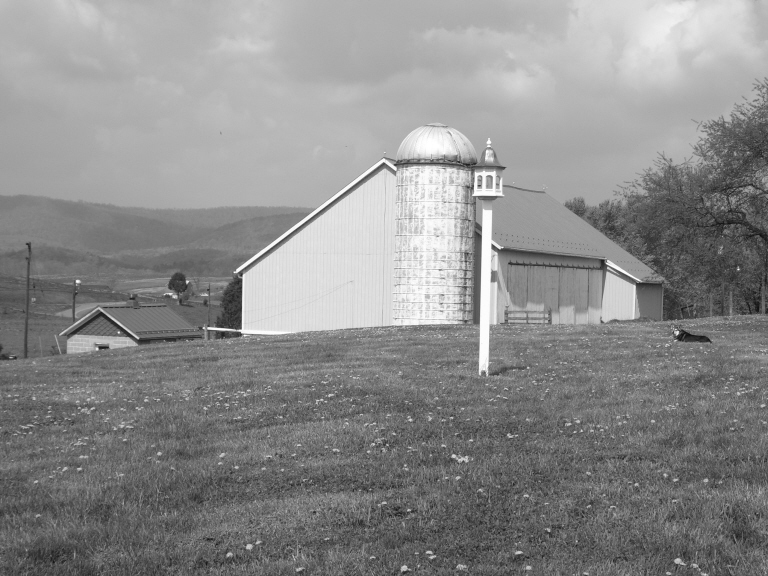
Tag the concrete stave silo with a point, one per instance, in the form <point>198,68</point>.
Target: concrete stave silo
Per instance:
<point>434,228</point>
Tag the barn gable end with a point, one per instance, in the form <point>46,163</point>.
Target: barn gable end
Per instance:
<point>332,270</point>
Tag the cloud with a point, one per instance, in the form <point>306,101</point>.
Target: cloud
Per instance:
<point>242,45</point>
<point>156,101</point>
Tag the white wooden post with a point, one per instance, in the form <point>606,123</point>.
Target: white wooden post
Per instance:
<point>488,186</point>
<point>485,287</point>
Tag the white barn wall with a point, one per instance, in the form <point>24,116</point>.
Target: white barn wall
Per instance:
<point>334,272</point>
<point>596,287</point>
<point>619,297</point>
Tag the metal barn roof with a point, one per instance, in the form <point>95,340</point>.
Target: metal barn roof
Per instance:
<point>145,322</point>
<point>533,221</point>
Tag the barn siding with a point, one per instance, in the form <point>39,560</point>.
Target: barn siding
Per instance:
<point>582,297</point>
<point>567,296</point>
<point>334,272</point>
<point>517,283</point>
<point>572,290</point>
<point>619,298</point>
<point>595,296</point>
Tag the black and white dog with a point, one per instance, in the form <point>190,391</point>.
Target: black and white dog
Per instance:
<point>682,336</point>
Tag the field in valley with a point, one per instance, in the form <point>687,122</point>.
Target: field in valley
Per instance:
<point>602,450</point>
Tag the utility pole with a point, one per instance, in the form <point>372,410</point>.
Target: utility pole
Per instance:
<point>75,286</point>
<point>26,306</point>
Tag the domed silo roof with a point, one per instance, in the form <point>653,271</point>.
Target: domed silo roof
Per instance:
<point>436,144</point>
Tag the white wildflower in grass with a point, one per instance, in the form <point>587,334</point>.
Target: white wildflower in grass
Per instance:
<point>299,570</point>
<point>249,547</point>
<point>222,455</point>
<point>404,569</point>
<point>230,555</point>
<point>679,562</point>
<point>461,567</point>
<point>528,568</point>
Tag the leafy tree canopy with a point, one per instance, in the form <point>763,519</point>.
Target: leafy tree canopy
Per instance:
<point>178,283</point>
<point>723,189</point>
<point>701,223</point>
<point>231,305</point>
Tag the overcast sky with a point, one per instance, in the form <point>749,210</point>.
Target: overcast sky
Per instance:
<point>193,103</point>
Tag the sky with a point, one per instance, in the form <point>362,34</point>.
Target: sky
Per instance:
<point>198,104</point>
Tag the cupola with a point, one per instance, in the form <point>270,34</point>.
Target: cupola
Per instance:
<point>488,170</point>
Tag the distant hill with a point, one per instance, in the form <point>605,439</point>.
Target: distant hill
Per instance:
<point>215,217</point>
<point>105,240</point>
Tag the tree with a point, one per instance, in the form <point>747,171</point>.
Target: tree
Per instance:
<point>231,305</point>
<point>710,211</point>
<point>178,283</point>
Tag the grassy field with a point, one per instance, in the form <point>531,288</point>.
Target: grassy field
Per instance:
<point>601,450</point>
<point>41,340</point>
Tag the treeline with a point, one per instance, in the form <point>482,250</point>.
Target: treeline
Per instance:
<point>701,223</point>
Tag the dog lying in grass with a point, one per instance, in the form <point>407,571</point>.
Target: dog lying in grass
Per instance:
<point>682,336</point>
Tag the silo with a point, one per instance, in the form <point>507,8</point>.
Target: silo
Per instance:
<point>434,228</point>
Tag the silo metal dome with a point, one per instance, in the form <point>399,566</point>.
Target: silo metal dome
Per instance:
<point>436,144</point>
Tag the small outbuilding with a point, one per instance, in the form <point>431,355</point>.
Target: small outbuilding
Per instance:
<point>125,325</point>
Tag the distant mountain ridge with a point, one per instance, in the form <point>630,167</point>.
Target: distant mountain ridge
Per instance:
<point>71,236</point>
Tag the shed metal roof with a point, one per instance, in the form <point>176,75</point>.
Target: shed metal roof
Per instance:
<point>533,221</point>
<point>146,322</point>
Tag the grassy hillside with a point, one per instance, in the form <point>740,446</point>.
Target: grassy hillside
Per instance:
<point>82,226</point>
<point>244,236</point>
<point>215,217</point>
<point>104,240</point>
<point>597,450</point>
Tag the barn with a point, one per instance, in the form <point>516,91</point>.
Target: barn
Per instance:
<point>125,325</point>
<point>400,245</point>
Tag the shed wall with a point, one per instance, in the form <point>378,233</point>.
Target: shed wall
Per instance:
<point>335,272</point>
<point>87,343</point>
<point>650,301</point>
